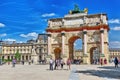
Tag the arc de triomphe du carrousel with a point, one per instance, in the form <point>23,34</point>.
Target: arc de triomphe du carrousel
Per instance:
<point>92,29</point>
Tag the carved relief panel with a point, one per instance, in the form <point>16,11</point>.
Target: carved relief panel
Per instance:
<point>94,36</point>
<point>56,38</point>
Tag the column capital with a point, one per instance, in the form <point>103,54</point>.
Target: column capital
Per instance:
<point>101,30</point>
<point>62,33</point>
<point>84,32</point>
<point>49,35</point>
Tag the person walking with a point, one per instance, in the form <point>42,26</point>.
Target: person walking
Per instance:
<point>62,63</point>
<point>51,63</point>
<point>56,64</point>
<point>29,62</point>
<point>22,62</point>
<point>116,62</point>
<point>13,62</point>
<point>32,61</point>
<point>68,64</point>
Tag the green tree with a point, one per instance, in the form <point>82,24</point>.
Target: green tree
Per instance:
<point>17,55</point>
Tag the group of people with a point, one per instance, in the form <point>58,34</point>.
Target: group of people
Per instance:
<point>29,62</point>
<point>55,64</point>
<point>100,61</point>
<point>59,63</point>
<point>14,62</point>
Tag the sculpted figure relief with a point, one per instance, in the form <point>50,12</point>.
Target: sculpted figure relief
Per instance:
<point>33,51</point>
<point>93,37</point>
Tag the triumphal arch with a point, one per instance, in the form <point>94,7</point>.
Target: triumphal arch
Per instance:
<point>92,29</point>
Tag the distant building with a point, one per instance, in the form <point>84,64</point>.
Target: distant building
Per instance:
<point>114,52</point>
<point>41,46</point>
<point>32,49</point>
<point>9,50</point>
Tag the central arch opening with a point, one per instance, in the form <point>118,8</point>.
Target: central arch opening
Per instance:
<point>75,48</point>
<point>78,51</point>
<point>94,55</point>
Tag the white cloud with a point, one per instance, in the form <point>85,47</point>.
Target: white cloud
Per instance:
<point>115,44</point>
<point>23,35</point>
<point>2,35</point>
<point>32,34</point>
<point>20,41</point>
<point>114,21</point>
<point>48,14</point>
<point>116,28</point>
<point>10,40</point>
<point>2,25</point>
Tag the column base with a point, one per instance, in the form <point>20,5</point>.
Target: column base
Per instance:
<point>63,56</point>
<point>85,59</point>
<point>102,55</point>
<point>35,59</point>
<point>85,55</point>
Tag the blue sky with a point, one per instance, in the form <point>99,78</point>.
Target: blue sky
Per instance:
<point>21,20</point>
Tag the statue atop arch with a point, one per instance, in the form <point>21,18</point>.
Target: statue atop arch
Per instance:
<point>77,10</point>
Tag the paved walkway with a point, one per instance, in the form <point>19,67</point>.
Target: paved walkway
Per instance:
<point>42,72</point>
<point>97,72</point>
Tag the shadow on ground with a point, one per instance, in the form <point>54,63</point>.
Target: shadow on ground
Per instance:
<point>109,72</point>
<point>109,67</point>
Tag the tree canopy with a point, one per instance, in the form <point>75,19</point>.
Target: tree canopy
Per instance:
<point>17,55</point>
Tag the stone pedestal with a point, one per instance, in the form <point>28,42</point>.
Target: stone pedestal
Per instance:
<point>64,57</point>
<point>85,59</point>
<point>35,59</point>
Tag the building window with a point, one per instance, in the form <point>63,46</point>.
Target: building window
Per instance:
<point>8,57</point>
<point>29,57</point>
<point>12,57</point>
<point>22,57</point>
<point>26,57</point>
<point>2,57</point>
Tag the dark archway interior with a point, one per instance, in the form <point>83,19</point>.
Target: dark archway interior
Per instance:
<point>57,52</point>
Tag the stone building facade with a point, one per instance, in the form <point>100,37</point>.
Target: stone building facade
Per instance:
<point>9,50</point>
<point>35,50</point>
<point>41,46</point>
<point>114,52</point>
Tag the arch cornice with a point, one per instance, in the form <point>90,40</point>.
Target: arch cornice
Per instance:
<point>67,29</point>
